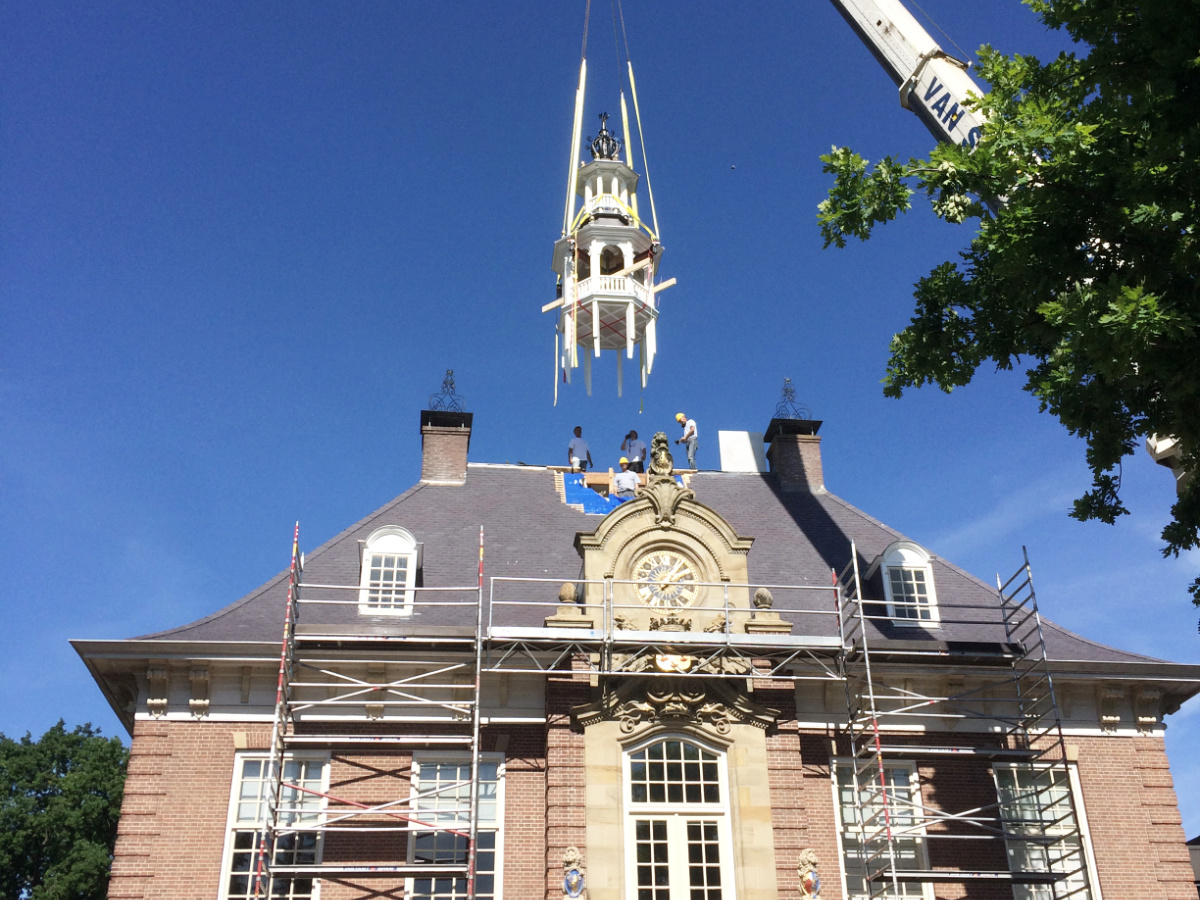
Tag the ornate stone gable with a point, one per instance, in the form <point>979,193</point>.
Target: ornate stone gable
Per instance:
<point>708,704</point>
<point>665,551</point>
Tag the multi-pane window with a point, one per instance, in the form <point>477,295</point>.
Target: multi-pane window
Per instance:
<point>893,801</point>
<point>300,805</point>
<point>1043,833</point>
<point>387,581</point>
<point>442,797</point>
<point>907,575</point>
<point>678,823</point>
<point>389,570</point>
<point>910,593</point>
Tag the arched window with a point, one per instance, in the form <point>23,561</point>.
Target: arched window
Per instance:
<point>908,583</point>
<point>611,260</point>
<point>389,572</point>
<point>676,809</point>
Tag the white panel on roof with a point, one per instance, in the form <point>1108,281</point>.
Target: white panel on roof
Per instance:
<point>742,451</point>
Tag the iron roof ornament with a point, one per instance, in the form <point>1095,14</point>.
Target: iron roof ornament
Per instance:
<point>787,407</point>
<point>605,145</point>
<point>447,400</point>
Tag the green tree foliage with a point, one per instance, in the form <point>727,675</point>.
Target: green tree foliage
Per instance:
<point>1084,260</point>
<point>58,815</point>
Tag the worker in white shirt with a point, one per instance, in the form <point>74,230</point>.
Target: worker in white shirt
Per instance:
<point>578,455</point>
<point>690,438</point>
<point>635,450</point>
<point>625,483</point>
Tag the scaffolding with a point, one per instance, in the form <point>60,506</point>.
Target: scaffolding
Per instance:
<point>427,689</point>
<point>373,689</point>
<point>1000,685</point>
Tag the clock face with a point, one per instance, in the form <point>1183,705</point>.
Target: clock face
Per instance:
<point>665,578</point>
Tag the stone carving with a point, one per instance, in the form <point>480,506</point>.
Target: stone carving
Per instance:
<point>1146,708</point>
<point>686,699</point>
<point>717,625</point>
<point>665,495</point>
<point>156,695</point>
<point>671,702</point>
<point>763,599</point>
<point>810,881</point>
<point>574,879</point>
<point>670,622</point>
<point>661,462</point>
<point>566,593</point>
<point>622,622</point>
<point>199,682</point>
<point>1110,695</point>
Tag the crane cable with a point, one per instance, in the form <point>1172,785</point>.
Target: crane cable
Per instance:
<point>587,15</point>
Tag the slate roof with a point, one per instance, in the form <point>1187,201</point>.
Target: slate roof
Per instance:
<point>529,532</point>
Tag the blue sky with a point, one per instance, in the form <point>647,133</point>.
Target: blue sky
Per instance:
<point>240,244</point>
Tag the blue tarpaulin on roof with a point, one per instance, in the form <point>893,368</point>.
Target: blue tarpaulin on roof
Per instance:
<point>577,493</point>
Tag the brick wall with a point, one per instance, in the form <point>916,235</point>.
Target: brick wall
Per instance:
<point>172,829</point>
<point>524,810</point>
<point>173,818</point>
<point>444,453</point>
<point>1134,818</point>
<point>565,804</point>
<point>796,459</point>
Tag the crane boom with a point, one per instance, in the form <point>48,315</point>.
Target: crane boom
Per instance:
<point>932,83</point>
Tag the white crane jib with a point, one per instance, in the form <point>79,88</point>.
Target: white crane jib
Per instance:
<point>932,83</point>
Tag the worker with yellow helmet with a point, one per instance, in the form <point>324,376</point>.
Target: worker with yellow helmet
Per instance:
<point>690,438</point>
<point>625,483</point>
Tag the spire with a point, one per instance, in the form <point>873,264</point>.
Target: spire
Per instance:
<point>608,256</point>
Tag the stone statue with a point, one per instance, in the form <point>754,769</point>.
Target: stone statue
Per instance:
<point>661,462</point>
<point>810,881</point>
<point>574,881</point>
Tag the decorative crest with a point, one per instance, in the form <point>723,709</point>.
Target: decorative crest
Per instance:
<point>810,880</point>
<point>661,462</point>
<point>788,408</point>
<point>605,145</point>
<point>447,400</point>
<point>574,875</point>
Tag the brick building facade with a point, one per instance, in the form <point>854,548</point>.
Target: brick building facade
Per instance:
<point>673,689</point>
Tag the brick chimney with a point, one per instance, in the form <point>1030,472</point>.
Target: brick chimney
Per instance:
<point>445,437</point>
<point>794,452</point>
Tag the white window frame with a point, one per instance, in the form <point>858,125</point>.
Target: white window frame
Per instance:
<point>459,758</point>
<point>677,816</point>
<point>235,825</point>
<point>906,556</point>
<point>394,598</point>
<point>850,830</point>
<point>1036,892</point>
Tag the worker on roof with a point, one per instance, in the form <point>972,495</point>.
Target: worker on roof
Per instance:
<point>579,457</point>
<point>690,438</point>
<point>635,450</point>
<point>625,483</point>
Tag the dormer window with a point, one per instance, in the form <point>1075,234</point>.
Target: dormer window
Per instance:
<point>391,557</point>
<point>908,584</point>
